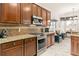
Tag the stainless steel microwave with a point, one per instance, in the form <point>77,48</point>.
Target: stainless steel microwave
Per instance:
<point>37,20</point>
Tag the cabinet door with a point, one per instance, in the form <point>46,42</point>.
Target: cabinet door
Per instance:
<point>11,13</point>
<point>34,9</point>
<point>14,51</point>
<point>52,39</point>
<point>48,15</point>
<point>78,47</point>
<point>33,44</point>
<point>0,11</point>
<point>0,50</point>
<point>39,11</point>
<point>26,13</point>
<point>48,40</point>
<point>74,46</point>
<point>27,49</point>
<point>30,47</point>
<point>44,17</point>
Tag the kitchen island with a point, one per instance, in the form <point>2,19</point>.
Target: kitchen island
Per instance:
<point>75,44</point>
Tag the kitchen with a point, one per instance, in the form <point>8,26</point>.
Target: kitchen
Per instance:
<point>25,30</point>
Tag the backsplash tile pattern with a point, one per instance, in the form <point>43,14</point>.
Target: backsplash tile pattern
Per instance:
<point>13,31</point>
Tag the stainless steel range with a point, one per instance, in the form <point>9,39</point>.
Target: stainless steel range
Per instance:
<point>41,42</point>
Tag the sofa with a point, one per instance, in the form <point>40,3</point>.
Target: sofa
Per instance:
<point>59,37</point>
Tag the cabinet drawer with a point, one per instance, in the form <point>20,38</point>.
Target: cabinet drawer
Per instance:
<point>30,39</point>
<point>11,44</point>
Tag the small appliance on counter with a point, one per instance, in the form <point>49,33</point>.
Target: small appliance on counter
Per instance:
<point>46,29</point>
<point>3,33</point>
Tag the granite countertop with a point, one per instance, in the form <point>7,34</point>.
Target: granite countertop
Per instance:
<point>14,38</point>
<point>75,35</point>
<point>47,33</point>
<point>19,37</point>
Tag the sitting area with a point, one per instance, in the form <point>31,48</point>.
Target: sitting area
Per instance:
<point>59,36</point>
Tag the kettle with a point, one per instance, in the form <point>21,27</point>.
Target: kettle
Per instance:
<point>3,33</point>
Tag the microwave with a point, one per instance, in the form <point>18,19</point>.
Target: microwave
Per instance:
<point>37,20</point>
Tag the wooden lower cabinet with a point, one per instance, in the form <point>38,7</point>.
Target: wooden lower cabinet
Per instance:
<point>75,45</point>
<point>14,48</point>
<point>0,50</point>
<point>30,47</point>
<point>14,51</point>
<point>50,40</point>
<point>25,47</point>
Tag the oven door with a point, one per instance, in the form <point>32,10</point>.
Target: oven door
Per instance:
<point>41,43</point>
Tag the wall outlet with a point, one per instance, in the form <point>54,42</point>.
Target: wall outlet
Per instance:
<point>19,30</point>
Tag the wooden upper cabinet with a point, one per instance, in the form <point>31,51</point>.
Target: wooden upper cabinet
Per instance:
<point>0,11</point>
<point>11,13</point>
<point>21,13</point>
<point>44,17</point>
<point>48,16</point>
<point>34,9</point>
<point>26,13</point>
<point>39,11</point>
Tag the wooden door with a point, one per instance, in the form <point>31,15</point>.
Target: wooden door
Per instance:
<point>48,40</point>
<point>78,47</point>
<point>74,45</point>
<point>11,13</point>
<point>14,51</point>
<point>44,16</point>
<point>0,11</point>
<point>48,15</point>
<point>39,11</point>
<point>30,47</point>
<point>34,9</point>
<point>26,13</point>
<point>0,50</point>
<point>52,39</point>
<point>27,49</point>
<point>34,47</point>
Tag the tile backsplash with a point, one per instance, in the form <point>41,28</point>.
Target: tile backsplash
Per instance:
<point>13,31</point>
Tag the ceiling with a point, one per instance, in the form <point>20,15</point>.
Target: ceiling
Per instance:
<point>56,6</point>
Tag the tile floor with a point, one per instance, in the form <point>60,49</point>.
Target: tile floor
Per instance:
<point>59,49</point>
